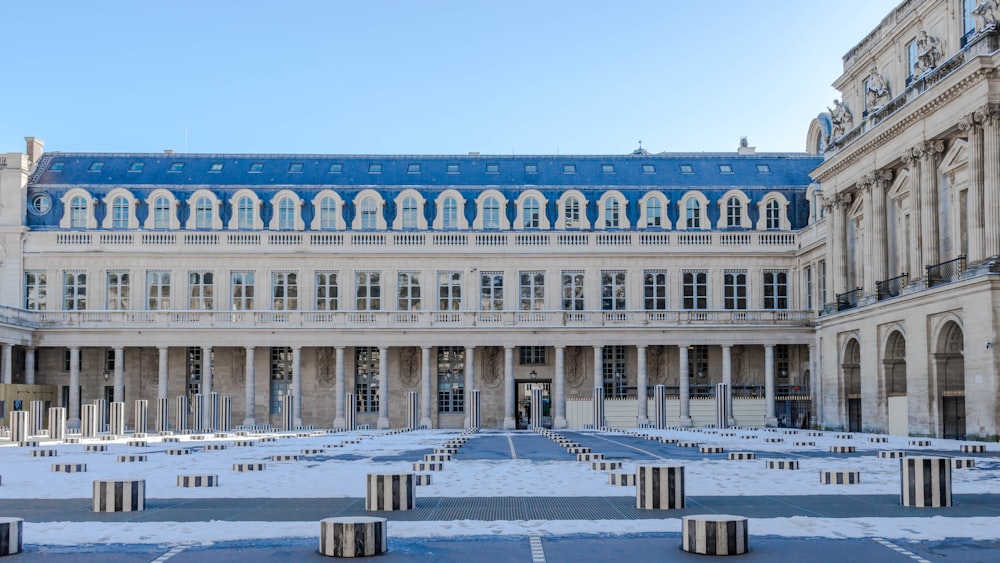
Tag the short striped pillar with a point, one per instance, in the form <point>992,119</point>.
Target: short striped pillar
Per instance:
<point>116,422</point>
<point>390,491</point>
<point>37,419</point>
<point>287,416</point>
<point>88,421</point>
<point>20,421</point>
<point>741,456</point>
<point>891,454</point>
<point>181,409</point>
<point>120,496</point>
<point>660,406</point>
<point>598,406</point>
<point>350,412</point>
<point>926,481</point>
<point>225,423</point>
<point>840,477</point>
<point>163,414</point>
<point>214,410</point>
<point>621,479</point>
<point>973,448</point>
<point>784,464</point>
<point>11,532</point>
<point>714,534</point>
<point>659,487</point>
<point>141,416</point>
<point>102,414</point>
<point>352,536</point>
<point>412,410</point>
<point>57,423</point>
<point>723,407</point>
<point>475,416</point>
<point>188,481</point>
<point>536,408</point>
<point>198,413</point>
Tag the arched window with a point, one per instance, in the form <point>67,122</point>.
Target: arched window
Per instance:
<point>571,213</point>
<point>369,214</point>
<point>693,214</point>
<point>773,215</point>
<point>244,213</point>
<point>327,214</point>
<point>654,213</point>
<point>161,213</point>
<point>531,217</point>
<point>203,213</point>
<point>611,215</point>
<point>491,213</point>
<point>734,213</point>
<point>119,213</point>
<point>286,214</point>
<point>449,219</point>
<point>78,213</point>
<point>410,211</point>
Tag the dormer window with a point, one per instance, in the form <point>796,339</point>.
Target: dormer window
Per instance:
<point>295,168</point>
<point>176,167</point>
<point>569,169</point>
<point>452,169</point>
<point>336,168</point>
<point>256,167</point>
<point>96,166</point>
<point>413,168</point>
<point>725,168</point>
<point>135,167</point>
<point>375,168</point>
<point>215,167</point>
<point>649,169</point>
<point>57,167</point>
<point>493,168</point>
<point>531,169</point>
<point>763,168</point>
<point>607,168</point>
<point>687,169</point>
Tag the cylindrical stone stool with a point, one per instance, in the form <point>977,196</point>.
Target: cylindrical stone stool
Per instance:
<point>840,477</point>
<point>891,454</point>
<point>589,457</point>
<point>740,456</point>
<point>437,457</point>
<point>711,449</point>
<point>803,444</point>
<point>577,450</point>
<point>11,531</point>
<point>714,534</point>
<point>352,536</point>
<point>390,491</point>
<point>423,479</point>
<point>920,443</point>
<point>926,481</point>
<point>878,439</point>
<point>131,458</point>
<point>659,487</point>
<point>604,465</point>
<point>19,422</point>
<point>622,479</point>
<point>188,481</point>
<point>44,453</point>
<point>774,440</point>
<point>783,464</point>
<point>973,448</point>
<point>842,449</point>
<point>69,467</point>
<point>120,496</point>
<point>962,462</point>
<point>428,466</point>
<point>244,467</point>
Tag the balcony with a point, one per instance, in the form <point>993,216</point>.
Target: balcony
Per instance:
<point>945,272</point>
<point>891,287</point>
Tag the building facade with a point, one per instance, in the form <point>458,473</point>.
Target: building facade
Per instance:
<point>851,286</point>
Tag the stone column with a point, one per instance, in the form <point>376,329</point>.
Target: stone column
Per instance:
<point>470,381</point>
<point>8,366</point>
<point>727,378</point>
<point>684,380</point>
<point>770,418</point>
<point>162,369</point>
<point>250,388</point>
<point>559,402</point>
<point>509,423</point>
<point>643,411</point>
<point>297,386</point>
<point>599,366</point>
<point>119,391</point>
<point>74,388</point>
<point>383,387</point>
<point>425,387</point>
<point>29,365</point>
<point>814,378</point>
<point>913,159</point>
<point>206,386</point>
<point>339,422</point>
<point>868,259</point>
<point>991,182</point>
<point>879,241</point>
<point>838,247</point>
<point>930,235</point>
<point>975,197</point>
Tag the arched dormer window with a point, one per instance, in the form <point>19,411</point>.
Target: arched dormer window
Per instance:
<point>733,206</point>
<point>410,210</point>
<point>734,212</point>
<point>531,211</point>
<point>162,211</point>
<point>246,216</point>
<point>654,211</point>
<point>491,214</point>
<point>693,212</point>
<point>204,211</point>
<point>369,214</point>
<point>571,213</point>
<point>450,216</point>
<point>285,214</point>
<point>328,212</point>
<point>773,213</point>
<point>612,215</point>
<point>572,206</point>
<point>491,207</point>
<point>611,211</point>
<point>119,213</point>
<point>530,214</point>
<point>244,213</point>
<point>78,212</point>
<point>120,206</point>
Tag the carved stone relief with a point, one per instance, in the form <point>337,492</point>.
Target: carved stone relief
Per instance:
<point>326,367</point>
<point>493,367</point>
<point>574,366</point>
<point>409,366</point>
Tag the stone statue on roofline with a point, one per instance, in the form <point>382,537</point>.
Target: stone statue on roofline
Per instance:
<point>928,53</point>
<point>840,118</point>
<point>986,15</point>
<point>876,90</point>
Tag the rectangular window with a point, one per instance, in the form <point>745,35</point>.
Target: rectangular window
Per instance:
<point>327,293</point>
<point>763,168</point>
<point>67,360</point>
<point>35,291</point>
<point>336,168</point>
<point>201,291</point>
<point>285,291</point>
<point>734,287</point>
<point>725,168</point>
<point>368,291</point>
<point>492,168</point>
<point>96,166</point>
<point>491,291</point>
<point>613,370</point>
<point>775,289</point>
<point>256,167</point>
<point>607,168</point>
<point>612,290</point>
<point>449,291</point>
<point>157,291</point>
<point>109,360</point>
<point>74,291</point>
<point>193,366</point>
<point>413,168</point>
<point>452,169</point>
<point>215,167</point>
<point>366,378</point>
<point>242,291</point>
<point>687,169</point>
<point>572,291</point>
<point>451,378</point>
<point>822,282</point>
<point>968,20</point>
<point>532,291</point>
<point>135,167</point>
<point>809,288</point>
<point>781,364</point>
<point>654,289</point>
<point>408,291</point>
<point>569,169</point>
<point>295,168</point>
<point>118,291</point>
<point>531,355</point>
<point>649,169</point>
<point>698,362</point>
<point>531,169</point>
<point>695,289</point>
<point>281,375</point>
<point>176,167</point>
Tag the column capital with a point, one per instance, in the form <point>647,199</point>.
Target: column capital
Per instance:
<point>559,346</point>
<point>642,346</point>
<point>426,347</point>
<point>340,348</point>
<point>726,345</point>
<point>380,348</point>
<point>249,348</point>
<point>508,346</point>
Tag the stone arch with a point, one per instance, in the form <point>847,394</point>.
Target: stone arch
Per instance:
<point>949,370</point>
<point>894,363</point>
<point>850,369</point>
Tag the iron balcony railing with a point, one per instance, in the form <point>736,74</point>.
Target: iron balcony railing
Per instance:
<point>891,287</point>
<point>945,272</point>
<point>848,299</point>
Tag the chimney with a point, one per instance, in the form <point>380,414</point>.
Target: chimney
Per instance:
<point>168,151</point>
<point>34,149</point>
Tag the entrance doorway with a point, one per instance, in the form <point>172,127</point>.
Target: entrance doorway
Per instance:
<point>854,415</point>
<point>522,414</point>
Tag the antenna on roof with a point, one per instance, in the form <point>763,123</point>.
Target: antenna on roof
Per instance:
<point>185,140</point>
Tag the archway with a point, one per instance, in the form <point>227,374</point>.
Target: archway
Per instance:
<point>851,368</point>
<point>894,383</point>
<point>949,361</point>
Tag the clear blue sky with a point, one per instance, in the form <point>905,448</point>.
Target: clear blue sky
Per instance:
<point>431,77</point>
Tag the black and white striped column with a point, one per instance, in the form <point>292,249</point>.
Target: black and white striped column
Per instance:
<point>926,481</point>
<point>536,408</point>
<point>11,533</point>
<point>714,534</point>
<point>412,410</point>
<point>225,422</point>
<point>598,406</point>
<point>390,491</point>
<point>57,423</point>
<point>37,419</point>
<point>352,536</point>
<point>88,421</point>
<point>141,416</point>
<point>116,422</point>
<point>120,496</point>
<point>198,413</point>
<point>162,414</point>
<point>722,406</point>
<point>351,412</point>
<point>659,487</point>
<point>20,421</point>
<point>287,414</point>
<point>214,411</point>
<point>181,413</point>
<point>660,406</point>
<point>475,416</point>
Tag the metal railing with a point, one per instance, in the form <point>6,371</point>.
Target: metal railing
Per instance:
<point>848,299</point>
<point>945,272</point>
<point>891,287</point>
